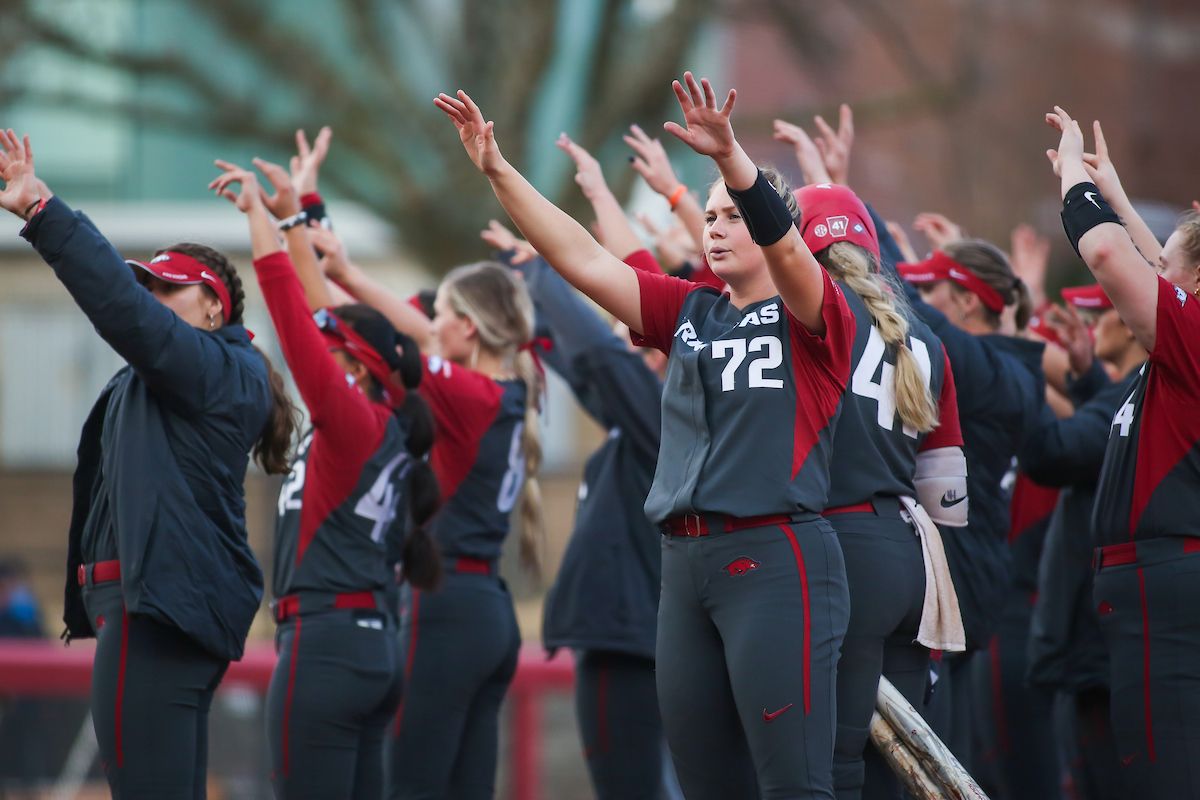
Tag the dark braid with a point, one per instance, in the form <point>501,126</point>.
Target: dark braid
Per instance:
<point>273,449</point>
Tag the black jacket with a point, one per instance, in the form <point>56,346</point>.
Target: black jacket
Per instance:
<point>1066,648</point>
<point>167,441</point>
<point>1000,394</point>
<point>605,596</point>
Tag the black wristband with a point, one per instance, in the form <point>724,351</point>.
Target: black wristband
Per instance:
<point>765,213</point>
<point>30,207</point>
<point>1083,209</point>
<point>316,213</point>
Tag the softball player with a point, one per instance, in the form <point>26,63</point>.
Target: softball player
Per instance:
<point>998,378</point>
<point>1145,518</point>
<point>1066,649</point>
<point>892,431</point>
<point>158,565</point>
<point>459,644</point>
<point>753,388</point>
<point>604,601</point>
<point>337,682</point>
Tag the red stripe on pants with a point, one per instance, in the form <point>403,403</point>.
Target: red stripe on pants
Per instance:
<point>1146,666</point>
<point>287,702</point>
<point>807,616</point>
<point>408,660</point>
<point>121,686</point>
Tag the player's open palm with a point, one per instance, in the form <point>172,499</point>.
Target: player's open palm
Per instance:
<point>16,169</point>
<point>476,134</point>
<point>708,130</point>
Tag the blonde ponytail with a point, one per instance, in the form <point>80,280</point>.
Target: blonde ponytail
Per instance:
<point>502,311</point>
<point>533,527</point>
<point>854,265</point>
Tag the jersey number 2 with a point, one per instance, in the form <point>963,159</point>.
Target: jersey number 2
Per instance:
<point>863,382</point>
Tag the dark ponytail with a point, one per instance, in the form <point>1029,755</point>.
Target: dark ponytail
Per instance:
<point>273,450</point>
<point>421,557</point>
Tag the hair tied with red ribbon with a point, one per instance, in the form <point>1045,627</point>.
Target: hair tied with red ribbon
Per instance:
<point>545,344</point>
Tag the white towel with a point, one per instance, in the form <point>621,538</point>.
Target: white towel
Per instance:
<point>941,622</point>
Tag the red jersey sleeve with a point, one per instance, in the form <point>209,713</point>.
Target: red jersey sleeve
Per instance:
<point>948,433</point>
<point>337,409</point>
<point>644,261</point>
<point>833,350</point>
<point>662,298</point>
<point>464,404</point>
<point>1177,337</point>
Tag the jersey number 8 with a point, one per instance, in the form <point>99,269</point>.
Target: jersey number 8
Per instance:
<point>863,382</point>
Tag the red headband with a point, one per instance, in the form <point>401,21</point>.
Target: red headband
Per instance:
<point>941,267</point>
<point>1090,297</point>
<point>340,336</point>
<point>184,270</point>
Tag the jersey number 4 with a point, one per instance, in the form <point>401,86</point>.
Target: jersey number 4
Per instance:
<point>736,349</point>
<point>379,504</point>
<point>1124,416</point>
<point>883,391</point>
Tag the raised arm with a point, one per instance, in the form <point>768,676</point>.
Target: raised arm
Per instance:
<point>177,361</point>
<point>354,280</point>
<point>1097,234</point>
<point>616,234</point>
<point>562,241</point>
<point>651,162</point>
<point>334,405</point>
<point>1104,174</point>
<point>796,274</point>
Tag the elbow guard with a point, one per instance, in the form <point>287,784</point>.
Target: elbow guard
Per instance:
<point>941,481</point>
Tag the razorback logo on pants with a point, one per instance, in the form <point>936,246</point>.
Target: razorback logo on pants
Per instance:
<point>741,565</point>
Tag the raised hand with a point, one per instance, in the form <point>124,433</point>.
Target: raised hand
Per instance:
<point>1070,143</point>
<point>708,130</point>
<point>812,165</point>
<point>1100,167</point>
<point>285,202</point>
<point>673,244</point>
<point>902,241</point>
<point>334,260</point>
<point>306,164</point>
<point>587,169</point>
<point>651,162</point>
<point>477,136</point>
<point>1074,336</point>
<point>938,229</point>
<point>1030,256</point>
<point>501,238</point>
<point>835,146</point>
<point>22,189</point>
<point>249,196</point>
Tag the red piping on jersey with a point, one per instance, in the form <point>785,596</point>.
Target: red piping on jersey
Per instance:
<point>1146,666</point>
<point>998,696</point>
<point>287,702</point>
<point>861,508</point>
<point>121,687</point>
<point>791,537</point>
<point>408,660</point>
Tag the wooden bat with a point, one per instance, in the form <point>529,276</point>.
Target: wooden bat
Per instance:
<point>914,777</point>
<point>924,746</point>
